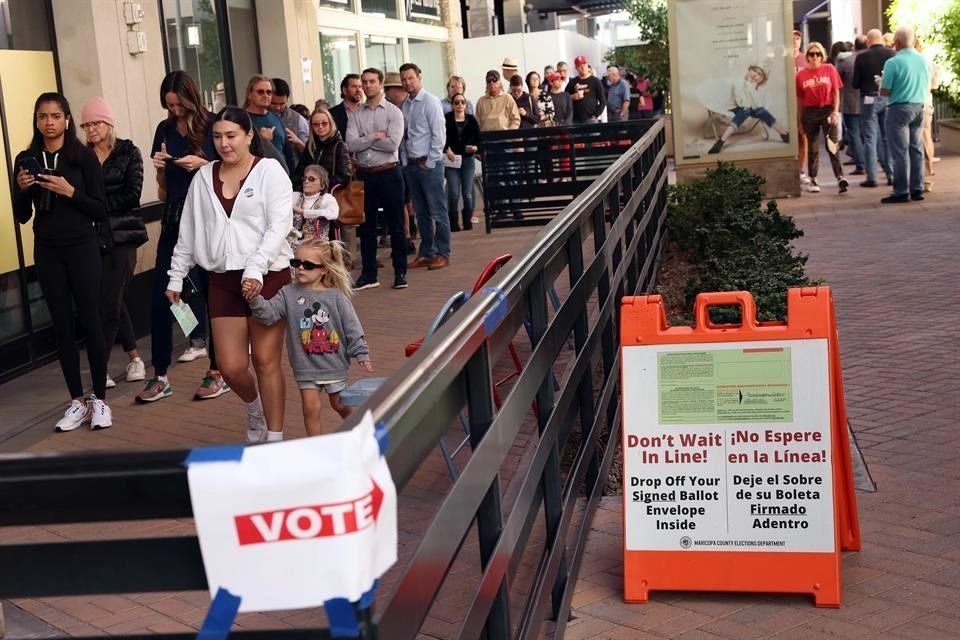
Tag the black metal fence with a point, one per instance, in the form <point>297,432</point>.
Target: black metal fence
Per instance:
<point>529,175</point>
<point>605,245</point>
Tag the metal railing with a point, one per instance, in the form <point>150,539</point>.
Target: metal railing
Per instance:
<point>606,244</point>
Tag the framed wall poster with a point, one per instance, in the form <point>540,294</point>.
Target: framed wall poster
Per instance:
<point>732,79</point>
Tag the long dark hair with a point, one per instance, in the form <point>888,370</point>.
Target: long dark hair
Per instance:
<point>180,83</point>
<point>241,118</point>
<point>72,147</point>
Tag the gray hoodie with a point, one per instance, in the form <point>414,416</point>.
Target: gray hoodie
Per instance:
<point>323,331</point>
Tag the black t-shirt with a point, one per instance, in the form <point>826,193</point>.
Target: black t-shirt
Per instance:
<point>594,101</point>
<point>178,178</point>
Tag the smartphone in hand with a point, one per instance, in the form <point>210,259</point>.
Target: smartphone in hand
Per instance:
<point>31,166</point>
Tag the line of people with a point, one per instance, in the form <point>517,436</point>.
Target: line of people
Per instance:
<point>877,100</point>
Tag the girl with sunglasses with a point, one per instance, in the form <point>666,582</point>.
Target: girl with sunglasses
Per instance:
<point>323,332</point>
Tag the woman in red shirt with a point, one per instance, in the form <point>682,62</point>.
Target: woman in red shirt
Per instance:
<point>818,98</point>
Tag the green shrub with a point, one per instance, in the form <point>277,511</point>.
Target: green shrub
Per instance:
<point>734,243</point>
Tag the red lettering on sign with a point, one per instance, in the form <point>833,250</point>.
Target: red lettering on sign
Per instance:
<point>315,521</point>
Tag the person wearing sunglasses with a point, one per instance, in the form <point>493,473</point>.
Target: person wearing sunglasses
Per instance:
<point>267,123</point>
<point>496,110</point>
<point>463,140</point>
<point>818,98</point>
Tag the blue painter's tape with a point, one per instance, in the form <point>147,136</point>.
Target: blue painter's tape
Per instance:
<point>214,454</point>
<point>366,600</point>
<point>496,315</point>
<point>220,616</point>
<point>342,618</point>
<point>383,438</point>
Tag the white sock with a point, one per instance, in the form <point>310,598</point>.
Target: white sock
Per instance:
<point>274,436</point>
<point>162,378</point>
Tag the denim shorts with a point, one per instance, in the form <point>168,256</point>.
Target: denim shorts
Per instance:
<point>326,387</point>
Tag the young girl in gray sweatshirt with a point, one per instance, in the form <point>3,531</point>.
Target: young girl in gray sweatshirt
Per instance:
<point>323,332</point>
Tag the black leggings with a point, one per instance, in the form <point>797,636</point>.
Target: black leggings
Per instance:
<point>70,277</point>
<point>118,267</point>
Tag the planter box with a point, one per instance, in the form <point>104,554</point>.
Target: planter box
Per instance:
<point>950,136</point>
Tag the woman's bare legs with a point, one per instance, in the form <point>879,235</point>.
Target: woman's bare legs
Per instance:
<point>232,337</point>
<point>267,349</point>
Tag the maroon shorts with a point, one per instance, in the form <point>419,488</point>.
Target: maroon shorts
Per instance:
<point>225,300</point>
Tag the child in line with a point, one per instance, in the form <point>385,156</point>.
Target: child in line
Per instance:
<point>314,210</point>
<point>323,332</point>
<point>749,97</point>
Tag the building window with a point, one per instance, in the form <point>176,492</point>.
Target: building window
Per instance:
<point>242,18</point>
<point>383,52</point>
<point>343,5</point>
<point>431,57</point>
<point>338,57</point>
<point>424,12</point>
<point>382,8</point>
<point>193,45</point>
<point>24,25</point>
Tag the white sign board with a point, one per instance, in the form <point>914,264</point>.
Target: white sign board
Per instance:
<point>728,447</point>
<point>293,524</point>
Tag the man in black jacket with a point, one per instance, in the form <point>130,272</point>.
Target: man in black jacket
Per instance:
<point>587,93</point>
<point>867,69</point>
<point>351,92</point>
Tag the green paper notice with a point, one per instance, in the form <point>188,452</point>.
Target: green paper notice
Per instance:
<point>725,386</point>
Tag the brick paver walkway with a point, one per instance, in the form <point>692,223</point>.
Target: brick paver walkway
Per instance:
<point>900,382</point>
<point>896,281</point>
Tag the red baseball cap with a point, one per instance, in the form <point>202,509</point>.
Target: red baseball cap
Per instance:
<point>553,75</point>
<point>579,61</point>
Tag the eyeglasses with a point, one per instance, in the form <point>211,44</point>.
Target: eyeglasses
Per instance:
<point>814,54</point>
<point>324,123</point>
<point>296,263</point>
<point>456,102</point>
<point>92,125</point>
<point>310,178</point>
<point>264,92</point>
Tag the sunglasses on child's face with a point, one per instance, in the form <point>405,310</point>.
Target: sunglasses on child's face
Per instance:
<point>296,263</point>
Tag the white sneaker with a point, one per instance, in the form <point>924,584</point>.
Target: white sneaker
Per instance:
<point>76,414</point>
<point>256,422</point>
<point>110,382</point>
<point>136,371</point>
<point>804,178</point>
<point>101,416</point>
<point>813,187</point>
<point>192,353</point>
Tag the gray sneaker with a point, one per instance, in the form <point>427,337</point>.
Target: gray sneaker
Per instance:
<point>156,389</point>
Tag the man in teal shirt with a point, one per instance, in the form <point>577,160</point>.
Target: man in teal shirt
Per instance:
<point>906,77</point>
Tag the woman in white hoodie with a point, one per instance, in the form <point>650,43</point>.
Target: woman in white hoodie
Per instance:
<point>234,224</point>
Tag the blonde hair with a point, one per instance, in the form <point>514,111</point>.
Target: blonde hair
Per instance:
<point>761,71</point>
<point>888,40</point>
<point>254,81</point>
<point>334,258</point>
<point>816,46</point>
<point>321,173</point>
<point>312,138</point>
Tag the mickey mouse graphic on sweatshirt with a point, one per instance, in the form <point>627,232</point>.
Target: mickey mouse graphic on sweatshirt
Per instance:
<point>323,331</point>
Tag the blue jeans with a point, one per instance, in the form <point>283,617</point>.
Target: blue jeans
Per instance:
<point>461,181</point>
<point>740,115</point>
<point>851,128</point>
<point>905,137</point>
<point>426,187</point>
<point>874,137</point>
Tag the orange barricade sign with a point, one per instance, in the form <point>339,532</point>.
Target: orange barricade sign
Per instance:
<point>737,472</point>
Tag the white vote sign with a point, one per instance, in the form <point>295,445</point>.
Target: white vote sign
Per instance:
<point>296,523</point>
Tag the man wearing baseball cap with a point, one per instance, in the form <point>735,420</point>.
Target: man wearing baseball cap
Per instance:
<point>587,93</point>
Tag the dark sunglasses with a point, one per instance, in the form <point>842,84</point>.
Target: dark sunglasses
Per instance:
<point>459,102</point>
<point>814,54</point>
<point>264,92</point>
<point>296,263</point>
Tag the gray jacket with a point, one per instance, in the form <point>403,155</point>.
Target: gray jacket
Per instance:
<point>849,97</point>
<point>323,331</point>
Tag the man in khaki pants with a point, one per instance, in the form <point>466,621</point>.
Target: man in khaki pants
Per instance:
<point>928,150</point>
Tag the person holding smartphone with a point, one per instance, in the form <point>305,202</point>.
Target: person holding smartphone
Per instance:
<point>181,146</point>
<point>60,186</point>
